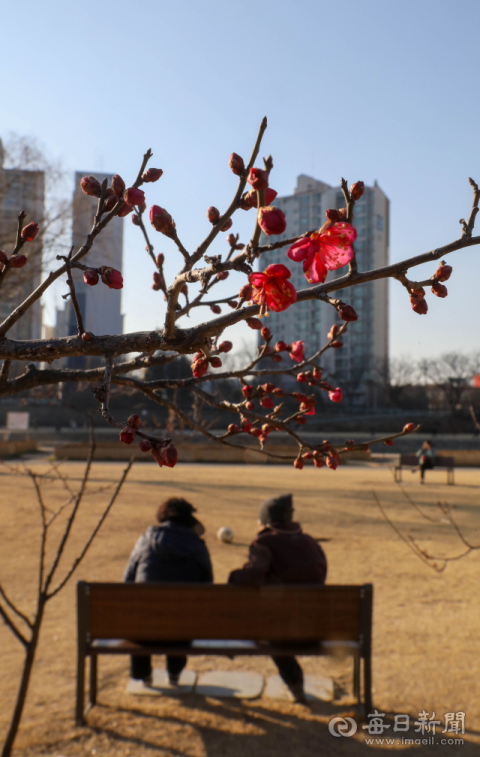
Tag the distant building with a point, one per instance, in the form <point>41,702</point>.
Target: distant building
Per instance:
<point>21,190</point>
<point>100,306</point>
<point>359,366</point>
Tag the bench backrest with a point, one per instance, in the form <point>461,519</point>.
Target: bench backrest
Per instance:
<point>441,461</point>
<point>176,612</point>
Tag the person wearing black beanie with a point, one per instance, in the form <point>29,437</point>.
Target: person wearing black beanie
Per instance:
<point>281,554</point>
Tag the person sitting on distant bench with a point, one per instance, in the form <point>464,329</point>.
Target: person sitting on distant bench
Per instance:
<point>172,552</point>
<point>426,459</point>
<point>282,554</point>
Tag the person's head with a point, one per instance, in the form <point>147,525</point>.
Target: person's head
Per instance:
<point>177,510</point>
<point>427,444</point>
<point>276,510</point>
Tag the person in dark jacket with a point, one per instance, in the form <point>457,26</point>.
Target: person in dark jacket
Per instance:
<point>172,552</point>
<point>282,554</point>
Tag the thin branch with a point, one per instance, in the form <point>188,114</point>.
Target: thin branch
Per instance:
<point>13,607</point>
<point>95,531</point>
<point>9,622</point>
<point>5,370</point>
<point>41,567</point>
<point>73,295</point>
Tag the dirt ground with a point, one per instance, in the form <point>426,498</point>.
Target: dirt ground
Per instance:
<point>425,645</point>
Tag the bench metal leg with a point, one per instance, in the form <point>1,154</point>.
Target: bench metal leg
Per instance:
<point>356,677</point>
<point>450,481</point>
<point>398,474</point>
<point>367,684</point>
<point>79,716</point>
<point>93,681</point>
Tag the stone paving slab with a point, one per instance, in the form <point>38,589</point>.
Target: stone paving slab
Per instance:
<point>316,687</point>
<point>160,684</point>
<point>230,683</point>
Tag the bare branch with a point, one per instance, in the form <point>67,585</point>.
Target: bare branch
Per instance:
<point>13,607</point>
<point>11,625</point>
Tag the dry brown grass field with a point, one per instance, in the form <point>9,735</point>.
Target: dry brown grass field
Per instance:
<point>425,645</point>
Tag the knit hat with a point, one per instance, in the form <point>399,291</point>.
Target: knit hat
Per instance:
<point>277,509</point>
<point>179,511</point>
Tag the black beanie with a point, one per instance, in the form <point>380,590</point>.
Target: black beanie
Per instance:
<point>277,509</point>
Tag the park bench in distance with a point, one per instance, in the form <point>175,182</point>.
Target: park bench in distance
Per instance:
<point>411,461</point>
<point>335,619</point>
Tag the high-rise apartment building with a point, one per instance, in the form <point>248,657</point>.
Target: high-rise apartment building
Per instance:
<point>100,306</point>
<point>359,366</point>
<point>21,190</point>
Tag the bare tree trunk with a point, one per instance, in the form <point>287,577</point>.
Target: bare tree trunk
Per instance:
<point>25,680</point>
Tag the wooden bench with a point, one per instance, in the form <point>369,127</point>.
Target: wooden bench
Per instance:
<point>411,461</point>
<point>115,618</point>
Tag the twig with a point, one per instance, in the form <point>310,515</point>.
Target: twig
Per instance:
<point>13,607</point>
<point>16,631</point>
<point>95,531</point>
<point>73,295</point>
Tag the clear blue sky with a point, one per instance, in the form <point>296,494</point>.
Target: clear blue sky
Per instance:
<point>368,90</point>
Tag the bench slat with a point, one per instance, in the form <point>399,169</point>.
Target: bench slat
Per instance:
<point>179,612</point>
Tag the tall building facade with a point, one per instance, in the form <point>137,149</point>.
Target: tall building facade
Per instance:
<point>21,190</point>
<point>359,367</point>
<point>100,306</point>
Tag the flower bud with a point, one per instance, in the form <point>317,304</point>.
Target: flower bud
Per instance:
<point>336,395</point>
<point>151,174</point>
<point>215,362</point>
<point>333,331</point>
<point>223,275</point>
<point>318,462</point>
<point>17,261</point>
<point>228,225</point>
<point>142,208</point>
<point>145,445</point>
<point>350,444</point>
<point>331,463</point>
<point>184,290</point>
<point>216,309</point>
<point>136,220</point>
<point>300,397</point>
<point>236,164</point>
<point>239,246</point>
<point>128,435</point>
<point>200,367</point>
<point>347,313</point>
<point>418,292</point>
<point>110,202</point>
<point>335,216</point>
<point>112,278</point>
<point>439,289</point>
<point>389,442</point>
<point>233,428</point>
<point>250,406</point>
<point>272,220</point>
<point>278,392</point>
<point>408,428</point>
<point>118,185</point>
<point>419,304</point>
<point>91,186</point>
<point>29,232</point>
<point>91,277</point>
<point>280,347</point>
<point>267,403</point>
<point>317,373</point>
<point>268,388</point>
<point>258,179</point>
<point>225,347</point>
<point>254,323</point>
<point>251,198</point>
<point>161,220</point>
<point>301,420</point>
<point>246,425</point>
<point>307,455</point>
<point>255,432</point>
<point>160,259</point>
<point>357,190</point>
<point>337,344</point>
<point>266,333</point>
<point>157,280</point>
<point>213,214</point>
<point>443,272</point>
<point>134,196</point>
<point>167,456</point>
<point>87,336</point>
<point>247,390</point>
<point>298,463</point>
<point>232,304</point>
<point>245,292</point>
<point>134,421</point>
<point>125,210</point>
<point>231,239</point>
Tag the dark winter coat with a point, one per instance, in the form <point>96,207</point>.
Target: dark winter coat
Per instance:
<point>170,553</point>
<point>282,554</point>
